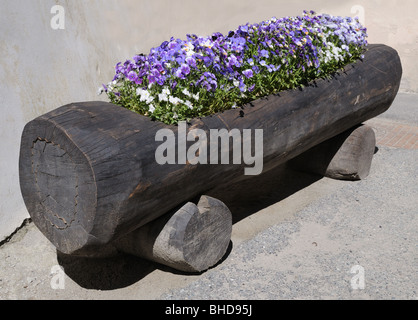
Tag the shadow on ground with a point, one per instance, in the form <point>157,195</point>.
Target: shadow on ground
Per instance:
<point>115,272</point>
<point>247,197</point>
<point>243,198</point>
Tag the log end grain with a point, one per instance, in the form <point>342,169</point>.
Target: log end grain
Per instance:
<point>58,185</point>
<point>347,156</point>
<point>193,239</point>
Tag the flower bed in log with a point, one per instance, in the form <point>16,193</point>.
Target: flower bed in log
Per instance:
<point>199,76</point>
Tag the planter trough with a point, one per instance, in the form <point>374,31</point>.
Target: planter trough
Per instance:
<point>92,185</point>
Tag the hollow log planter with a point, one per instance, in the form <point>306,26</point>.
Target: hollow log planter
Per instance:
<point>90,180</point>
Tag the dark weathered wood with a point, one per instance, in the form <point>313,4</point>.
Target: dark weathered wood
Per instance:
<point>347,156</point>
<point>88,172</point>
<point>193,239</point>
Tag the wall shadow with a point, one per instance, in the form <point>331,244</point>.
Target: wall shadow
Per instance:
<point>243,198</point>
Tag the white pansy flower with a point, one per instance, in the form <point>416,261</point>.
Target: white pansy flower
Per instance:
<point>175,100</point>
<point>196,96</point>
<point>162,97</point>
<point>139,91</point>
<point>150,99</point>
<point>145,95</point>
<point>188,47</point>
<point>166,91</point>
<point>188,104</point>
<point>208,43</point>
<point>186,92</point>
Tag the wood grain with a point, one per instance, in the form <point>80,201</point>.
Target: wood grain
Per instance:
<point>347,156</point>
<point>193,239</point>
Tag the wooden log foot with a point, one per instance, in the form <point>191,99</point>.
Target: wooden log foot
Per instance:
<point>347,156</point>
<point>193,239</point>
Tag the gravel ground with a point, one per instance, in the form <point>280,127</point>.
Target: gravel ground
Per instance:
<point>370,223</point>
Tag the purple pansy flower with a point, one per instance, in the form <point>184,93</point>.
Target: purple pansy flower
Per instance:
<point>185,69</point>
<point>248,73</point>
<point>264,53</point>
<point>274,48</point>
<point>132,76</point>
<point>191,62</point>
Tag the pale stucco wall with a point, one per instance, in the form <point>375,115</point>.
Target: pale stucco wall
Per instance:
<point>42,68</point>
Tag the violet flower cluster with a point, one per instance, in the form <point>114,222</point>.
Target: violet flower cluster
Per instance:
<point>199,76</point>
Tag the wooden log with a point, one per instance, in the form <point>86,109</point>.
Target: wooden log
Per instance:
<point>88,172</point>
<point>347,156</point>
<point>193,239</point>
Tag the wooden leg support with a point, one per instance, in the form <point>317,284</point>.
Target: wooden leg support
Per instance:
<point>347,156</point>
<point>193,239</point>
